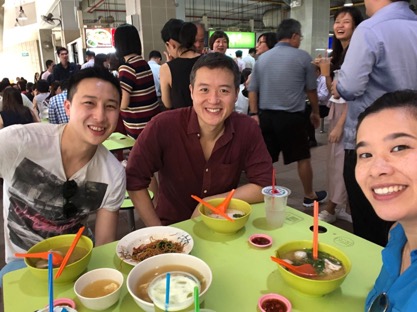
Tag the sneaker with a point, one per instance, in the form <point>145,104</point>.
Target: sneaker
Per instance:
<point>343,215</point>
<point>321,197</point>
<point>327,216</point>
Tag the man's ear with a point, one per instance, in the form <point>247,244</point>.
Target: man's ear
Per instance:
<point>191,91</point>
<point>67,106</point>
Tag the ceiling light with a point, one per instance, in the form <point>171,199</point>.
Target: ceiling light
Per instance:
<point>22,16</point>
<point>348,3</point>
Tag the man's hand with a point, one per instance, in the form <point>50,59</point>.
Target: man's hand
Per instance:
<point>256,118</point>
<point>315,119</point>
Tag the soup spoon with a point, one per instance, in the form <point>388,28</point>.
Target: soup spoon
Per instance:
<point>305,269</point>
<point>56,257</point>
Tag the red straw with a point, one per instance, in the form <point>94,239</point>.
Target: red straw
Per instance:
<point>273,182</point>
<point>316,231</point>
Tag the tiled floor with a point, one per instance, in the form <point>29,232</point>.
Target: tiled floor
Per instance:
<point>286,176</point>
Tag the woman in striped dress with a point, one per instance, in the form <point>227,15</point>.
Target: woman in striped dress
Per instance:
<point>139,102</point>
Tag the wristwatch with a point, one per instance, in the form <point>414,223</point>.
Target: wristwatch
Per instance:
<point>253,114</point>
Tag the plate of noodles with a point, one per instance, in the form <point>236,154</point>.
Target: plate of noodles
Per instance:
<point>151,241</point>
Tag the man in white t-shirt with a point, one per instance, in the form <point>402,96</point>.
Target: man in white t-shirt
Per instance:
<point>55,176</point>
<point>154,63</point>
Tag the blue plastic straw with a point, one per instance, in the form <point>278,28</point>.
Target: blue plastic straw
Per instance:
<point>167,291</point>
<point>50,283</point>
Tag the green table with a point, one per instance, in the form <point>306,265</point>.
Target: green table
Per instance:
<point>118,141</point>
<point>241,273</point>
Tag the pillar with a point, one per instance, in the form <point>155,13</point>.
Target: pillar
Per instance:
<point>314,18</point>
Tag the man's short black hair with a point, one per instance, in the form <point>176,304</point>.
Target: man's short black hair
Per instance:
<point>48,63</point>
<point>90,53</point>
<point>92,72</point>
<point>216,60</point>
<point>60,49</point>
<point>155,54</point>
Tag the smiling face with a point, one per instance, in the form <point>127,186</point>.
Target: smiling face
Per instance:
<point>93,111</point>
<point>214,96</point>
<point>220,45</point>
<point>343,26</point>
<point>386,167</point>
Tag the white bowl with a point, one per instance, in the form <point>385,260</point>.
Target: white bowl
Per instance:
<point>99,303</point>
<point>172,260</point>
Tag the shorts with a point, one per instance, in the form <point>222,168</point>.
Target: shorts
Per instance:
<point>285,131</point>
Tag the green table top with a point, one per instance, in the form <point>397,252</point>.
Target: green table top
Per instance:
<point>118,141</point>
<point>241,273</point>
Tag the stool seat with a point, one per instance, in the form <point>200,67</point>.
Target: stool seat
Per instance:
<point>128,205</point>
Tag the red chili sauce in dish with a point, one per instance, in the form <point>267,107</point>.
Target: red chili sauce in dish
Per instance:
<point>274,305</point>
<point>260,240</point>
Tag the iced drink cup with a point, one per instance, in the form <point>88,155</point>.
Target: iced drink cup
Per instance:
<point>325,66</point>
<point>275,204</point>
<point>181,292</point>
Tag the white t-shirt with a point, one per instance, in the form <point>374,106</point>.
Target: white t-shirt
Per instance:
<point>33,173</point>
<point>242,103</point>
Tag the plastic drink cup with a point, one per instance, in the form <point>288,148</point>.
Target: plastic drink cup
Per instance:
<point>325,66</point>
<point>275,205</point>
<point>181,292</point>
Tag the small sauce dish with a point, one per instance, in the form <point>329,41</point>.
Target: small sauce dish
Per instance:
<point>260,240</point>
<point>274,302</point>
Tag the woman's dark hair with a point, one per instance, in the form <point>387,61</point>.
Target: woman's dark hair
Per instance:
<point>42,86</point>
<point>270,39</point>
<point>245,74</point>
<point>127,41</point>
<point>13,102</point>
<point>52,89</point>
<point>114,61</point>
<point>99,60</point>
<point>187,35</point>
<point>171,30</point>
<point>405,99</point>
<point>216,35</point>
<point>338,54</point>
<point>213,61</point>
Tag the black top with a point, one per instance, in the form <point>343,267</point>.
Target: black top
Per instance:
<point>62,74</point>
<point>12,118</point>
<point>180,76</point>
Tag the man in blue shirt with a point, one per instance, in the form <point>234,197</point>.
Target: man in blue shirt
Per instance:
<point>382,57</point>
<point>56,112</point>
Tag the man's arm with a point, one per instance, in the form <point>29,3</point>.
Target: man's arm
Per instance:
<point>144,206</point>
<point>165,85</point>
<point>251,193</point>
<point>315,113</point>
<point>106,226</point>
<point>125,99</point>
<point>253,105</point>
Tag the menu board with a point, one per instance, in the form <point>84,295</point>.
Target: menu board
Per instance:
<point>99,37</point>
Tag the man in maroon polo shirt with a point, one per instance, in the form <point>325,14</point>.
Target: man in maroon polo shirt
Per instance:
<point>199,150</point>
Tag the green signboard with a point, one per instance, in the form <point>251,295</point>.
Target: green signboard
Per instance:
<point>240,40</point>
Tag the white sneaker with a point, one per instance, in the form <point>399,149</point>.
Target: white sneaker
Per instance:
<point>327,216</point>
<point>343,215</point>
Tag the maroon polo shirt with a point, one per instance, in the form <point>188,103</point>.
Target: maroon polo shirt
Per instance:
<point>170,145</point>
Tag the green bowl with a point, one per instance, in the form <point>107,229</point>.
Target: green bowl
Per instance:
<point>222,225</point>
<point>72,271</point>
<point>310,286</point>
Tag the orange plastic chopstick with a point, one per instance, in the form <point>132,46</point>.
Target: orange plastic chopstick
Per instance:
<point>225,204</point>
<point>316,231</point>
<point>214,209</point>
<point>69,252</point>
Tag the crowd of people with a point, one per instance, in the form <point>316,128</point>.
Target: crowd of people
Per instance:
<point>202,118</point>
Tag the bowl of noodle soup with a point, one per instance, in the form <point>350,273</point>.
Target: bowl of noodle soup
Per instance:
<point>143,273</point>
<point>332,267</point>
<point>151,241</point>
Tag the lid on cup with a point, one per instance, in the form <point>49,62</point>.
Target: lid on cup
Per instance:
<point>281,191</point>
